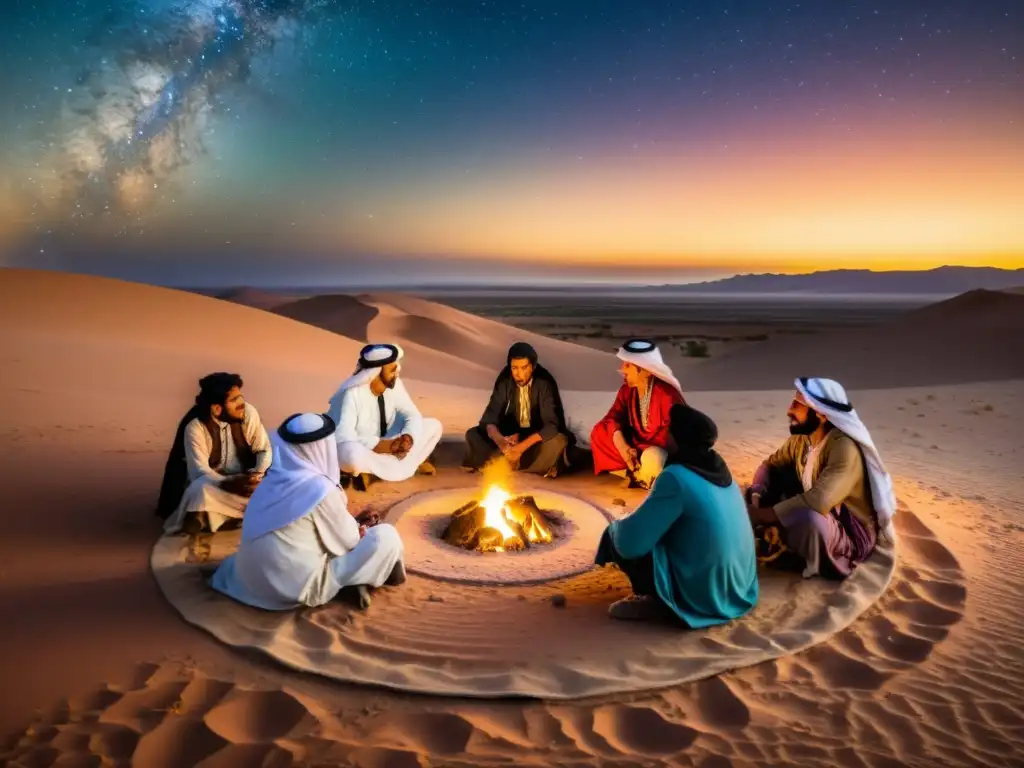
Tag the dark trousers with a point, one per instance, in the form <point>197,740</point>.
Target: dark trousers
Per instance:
<point>537,459</point>
<point>640,571</point>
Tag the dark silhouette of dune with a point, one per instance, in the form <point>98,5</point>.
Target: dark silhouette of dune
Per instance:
<point>976,336</point>
<point>254,297</point>
<point>942,281</point>
<point>338,313</point>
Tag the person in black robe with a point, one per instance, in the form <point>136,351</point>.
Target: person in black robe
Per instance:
<point>524,419</point>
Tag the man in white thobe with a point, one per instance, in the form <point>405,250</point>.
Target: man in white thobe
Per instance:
<point>219,457</point>
<point>381,433</point>
<point>300,546</point>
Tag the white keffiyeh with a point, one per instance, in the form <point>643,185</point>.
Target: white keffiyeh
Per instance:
<point>645,354</point>
<point>828,398</point>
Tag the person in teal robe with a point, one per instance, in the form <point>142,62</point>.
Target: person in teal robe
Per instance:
<point>687,549</point>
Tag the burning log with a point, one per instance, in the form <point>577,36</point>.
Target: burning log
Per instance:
<point>500,523</point>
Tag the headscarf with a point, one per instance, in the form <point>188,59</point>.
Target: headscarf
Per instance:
<point>645,354</point>
<point>828,398</point>
<point>694,435</point>
<point>305,470</point>
<point>372,358</point>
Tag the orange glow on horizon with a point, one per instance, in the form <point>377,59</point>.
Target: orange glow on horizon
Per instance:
<point>887,204</point>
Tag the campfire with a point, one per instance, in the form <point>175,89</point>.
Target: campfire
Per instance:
<point>501,522</point>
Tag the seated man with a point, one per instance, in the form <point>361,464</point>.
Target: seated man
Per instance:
<point>300,545</point>
<point>524,419</point>
<point>219,455</point>
<point>381,433</point>
<point>630,440</point>
<point>687,549</point>
<point>825,495</point>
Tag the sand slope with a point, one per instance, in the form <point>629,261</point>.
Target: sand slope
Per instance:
<point>470,349</point>
<point>254,297</point>
<point>977,336</point>
<point>105,669</point>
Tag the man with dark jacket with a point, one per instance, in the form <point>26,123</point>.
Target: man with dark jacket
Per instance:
<point>524,419</point>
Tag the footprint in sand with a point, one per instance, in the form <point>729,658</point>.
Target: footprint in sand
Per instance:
<point>439,733</point>
<point>255,717</point>
<point>635,730</point>
<point>175,742</point>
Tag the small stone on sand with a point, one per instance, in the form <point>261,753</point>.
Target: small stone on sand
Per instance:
<point>558,601</point>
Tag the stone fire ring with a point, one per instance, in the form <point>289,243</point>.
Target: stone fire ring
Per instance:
<point>422,518</point>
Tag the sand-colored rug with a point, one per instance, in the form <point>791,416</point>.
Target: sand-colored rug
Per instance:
<point>550,640</point>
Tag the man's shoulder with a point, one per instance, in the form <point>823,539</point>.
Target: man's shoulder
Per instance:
<point>841,445</point>
<point>353,392</point>
<point>195,425</point>
<point>250,411</point>
<point>545,376</point>
<point>667,389</point>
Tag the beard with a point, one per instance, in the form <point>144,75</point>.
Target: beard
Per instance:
<point>810,423</point>
<point>389,383</point>
<point>232,419</point>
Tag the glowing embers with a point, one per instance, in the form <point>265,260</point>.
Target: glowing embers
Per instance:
<point>500,522</point>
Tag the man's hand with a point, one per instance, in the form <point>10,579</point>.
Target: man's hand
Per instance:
<point>401,446</point>
<point>762,515</point>
<point>238,485</point>
<point>368,518</point>
<point>632,459</point>
<point>362,531</point>
<point>514,453</point>
<point>513,439</point>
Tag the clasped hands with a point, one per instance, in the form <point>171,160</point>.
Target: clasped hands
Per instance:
<point>511,448</point>
<point>242,485</point>
<point>401,446</point>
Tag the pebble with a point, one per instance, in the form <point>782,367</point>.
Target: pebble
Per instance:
<point>435,599</point>
<point>558,601</point>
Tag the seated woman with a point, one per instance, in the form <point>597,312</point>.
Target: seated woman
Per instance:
<point>687,549</point>
<point>300,546</point>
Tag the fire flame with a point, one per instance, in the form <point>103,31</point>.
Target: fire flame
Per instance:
<point>497,477</point>
<point>494,503</point>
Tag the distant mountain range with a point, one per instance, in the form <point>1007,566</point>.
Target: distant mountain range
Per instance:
<point>945,281</point>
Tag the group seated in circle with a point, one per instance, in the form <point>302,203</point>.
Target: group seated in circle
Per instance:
<point>691,549</point>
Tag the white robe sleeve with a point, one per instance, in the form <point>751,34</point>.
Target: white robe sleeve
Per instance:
<point>337,529</point>
<point>346,431</point>
<point>258,439</point>
<point>197,453</point>
<point>406,408</point>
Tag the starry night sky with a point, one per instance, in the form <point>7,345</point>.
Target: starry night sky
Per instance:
<point>295,139</point>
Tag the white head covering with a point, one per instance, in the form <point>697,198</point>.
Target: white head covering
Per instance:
<point>645,354</point>
<point>304,471</point>
<point>372,358</point>
<point>828,398</point>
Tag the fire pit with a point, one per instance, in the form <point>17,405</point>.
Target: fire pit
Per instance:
<point>540,534</point>
<point>500,522</point>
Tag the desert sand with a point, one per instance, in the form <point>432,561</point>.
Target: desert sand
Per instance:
<point>97,373</point>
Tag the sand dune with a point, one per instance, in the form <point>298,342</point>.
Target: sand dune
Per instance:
<point>977,336</point>
<point>254,297</point>
<point>337,313</point>
<point>95,374</point>
<point>436,337</point>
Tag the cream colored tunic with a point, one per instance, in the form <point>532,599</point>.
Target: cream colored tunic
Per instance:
<point>204,493</point>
